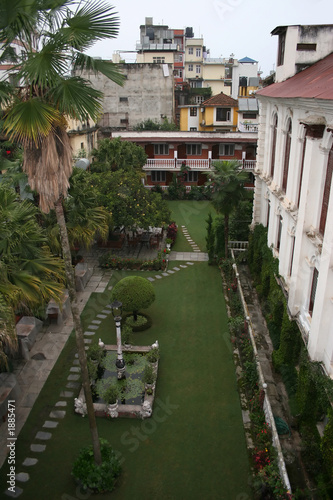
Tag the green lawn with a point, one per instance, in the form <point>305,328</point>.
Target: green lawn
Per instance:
<point>194,446</point>
<point>193,215</point>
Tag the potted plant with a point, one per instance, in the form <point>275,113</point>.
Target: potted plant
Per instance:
<point>127,335</point>
<point>153,355</point>
<point>96,354</point>
<point>168,243</point>
<point>149,378</point>
<point>110,396</point>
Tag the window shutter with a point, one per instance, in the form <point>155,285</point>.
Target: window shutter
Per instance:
<point>273,146</point>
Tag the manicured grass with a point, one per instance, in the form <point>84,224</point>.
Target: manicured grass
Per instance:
<point>193,215</point>
<point>194,446</point>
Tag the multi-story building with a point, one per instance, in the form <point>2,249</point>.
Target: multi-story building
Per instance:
<point>169,152</point>
<point>293,187</point>
<point>148,93</point>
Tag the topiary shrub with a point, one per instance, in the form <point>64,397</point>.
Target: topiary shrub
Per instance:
<point>97,478</point>
<point>135,293</point>
<point>142,323</point>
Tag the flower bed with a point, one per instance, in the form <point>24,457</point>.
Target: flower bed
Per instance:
<point>110,261</point>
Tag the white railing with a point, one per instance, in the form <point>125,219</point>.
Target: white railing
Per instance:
<point>248,127</point>
<point>238,245</point>
<point>249,164</point>
<point>192,164</point>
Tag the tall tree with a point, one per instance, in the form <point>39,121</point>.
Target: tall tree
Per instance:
<point>227,185</point>
<point>47,92</point>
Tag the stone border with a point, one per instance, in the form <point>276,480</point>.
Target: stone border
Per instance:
<point>127,411</point>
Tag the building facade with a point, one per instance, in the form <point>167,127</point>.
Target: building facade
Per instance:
<point>169,152</point>
<point>294,194</point>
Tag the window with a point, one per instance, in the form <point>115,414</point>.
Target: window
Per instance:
<point>198,52</point>
<point>326,193</point>
<point>193,111</point>
<point>292,255</point>
<point>198,68</point>
<point>282,44</point>
<point>191,177</point>
<point>159,60</point>
<point>249,116</point>
<point>123,99</point>
<point>196,84</point>
<point>178,57</point>
<point>82,145</point>
<point>190,50</point>
<point>198,99</point>
<point>158,175</point>
<point>190,67</point>
<point>161,149</point>
<point>226,149</point>
<point>301,173</point>
<point>193,149</point>
<point>286,158</point>
<point>274,133</point>
<point>313,291</point>
<point>124,121</point>
<point>278,239</point>
<point>223,114</point>
<point>306,46</point>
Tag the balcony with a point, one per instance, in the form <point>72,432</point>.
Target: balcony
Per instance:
<point>248,127</point>
<point>156,47</point>
<point>193,164</point>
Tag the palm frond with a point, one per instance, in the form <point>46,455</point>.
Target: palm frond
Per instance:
<point>8,338</point>
<point>44,68</point>
<point>30,121</point>
<point>107,68</point>
<point>75,97</point>
<point>92,21</point>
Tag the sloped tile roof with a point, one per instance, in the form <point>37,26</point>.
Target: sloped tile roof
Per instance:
<point>220,100</point>
<point>314,82</point>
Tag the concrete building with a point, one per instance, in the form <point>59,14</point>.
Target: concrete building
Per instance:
<point>148,93</point>
<point>293,188</point>
<point>168,152</point>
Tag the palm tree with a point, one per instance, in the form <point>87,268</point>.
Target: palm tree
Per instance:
<point>227,184</point>
<point>36,111</point>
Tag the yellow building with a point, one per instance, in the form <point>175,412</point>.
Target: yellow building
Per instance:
<point>217,113</point>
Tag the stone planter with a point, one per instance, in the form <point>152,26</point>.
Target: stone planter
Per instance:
<point>112,410</point>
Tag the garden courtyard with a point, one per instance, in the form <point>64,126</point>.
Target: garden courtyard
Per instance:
<point>193,446</point>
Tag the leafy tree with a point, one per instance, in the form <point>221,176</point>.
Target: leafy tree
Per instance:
<point>8,338</point>
<point>129,202</point>
<point>149,124</point>
<point>50,91</point>
<point>210,238</point>
<point>85,220</point>
<point>135,293</point>
<point>227,184</point>
<point>116,154</point>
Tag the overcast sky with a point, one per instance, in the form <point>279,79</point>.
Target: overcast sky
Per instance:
<point>241,27</point>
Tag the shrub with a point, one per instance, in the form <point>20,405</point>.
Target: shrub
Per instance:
<point>97,478</point>
<point>142,323</point>
<point>111,394</point>
<point>149,376</point>
<point>126,334</point>
<point>172,231</point>
<point>135,293</point>
<point>153,355</point>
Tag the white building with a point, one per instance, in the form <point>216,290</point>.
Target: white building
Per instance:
<point>293,190</point>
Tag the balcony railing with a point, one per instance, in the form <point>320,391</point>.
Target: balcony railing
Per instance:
<point>248,127</point>
<point>192,164</point>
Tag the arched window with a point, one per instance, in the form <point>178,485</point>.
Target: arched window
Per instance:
<point>326,193</point>
<point>274,134</point>
<point>286,157</point>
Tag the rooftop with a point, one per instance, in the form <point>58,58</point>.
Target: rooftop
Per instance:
<point>314,82</point>
<point>220,100</point>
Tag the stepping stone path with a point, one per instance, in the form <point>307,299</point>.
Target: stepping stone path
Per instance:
<point>194,246</point>
<point>28,462</point>
<point>50,424</point>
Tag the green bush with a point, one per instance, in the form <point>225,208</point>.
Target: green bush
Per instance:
<point>97,478</point>
<point>142,323</point>
<point>149,376</point>
<point>134,293</point>
<point>153,355</point>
